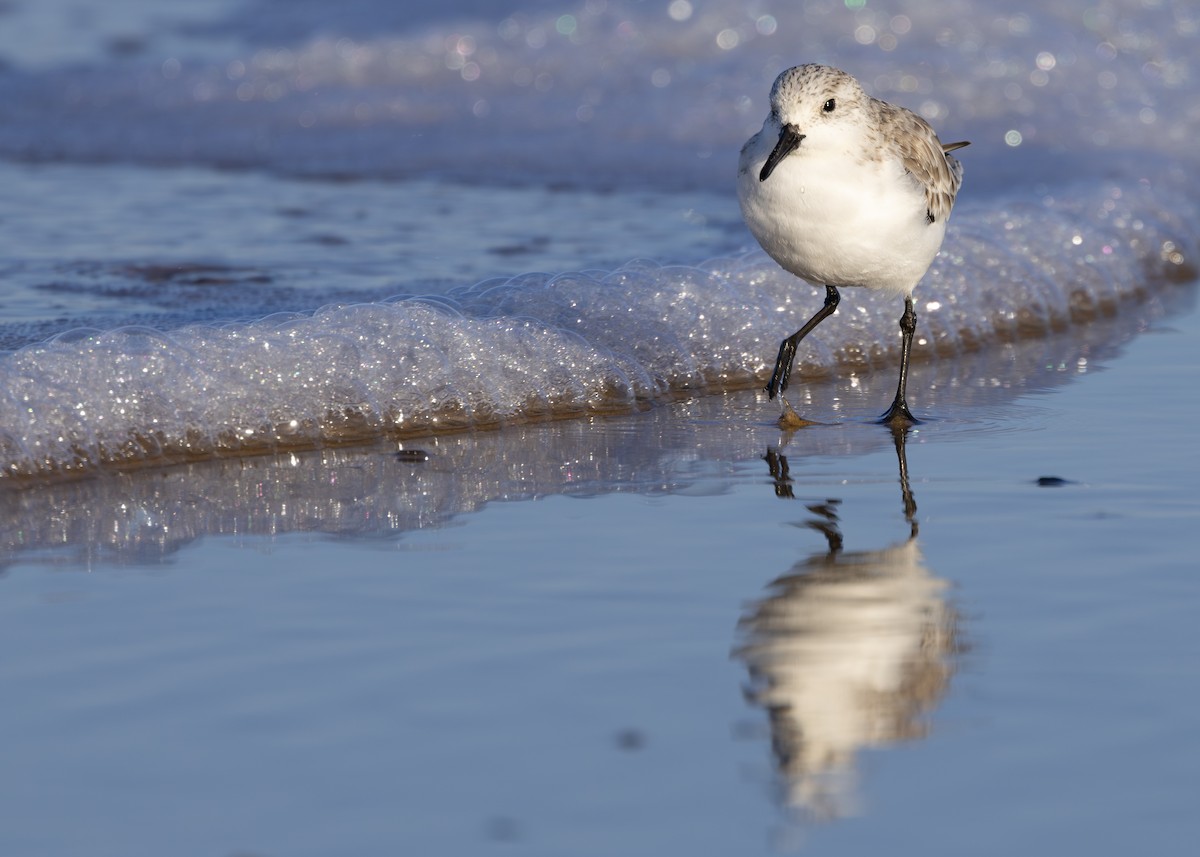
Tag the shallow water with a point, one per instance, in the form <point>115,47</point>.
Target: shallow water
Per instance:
<point>657,649</point>
<point>672,630</point>
<point>169,247</point>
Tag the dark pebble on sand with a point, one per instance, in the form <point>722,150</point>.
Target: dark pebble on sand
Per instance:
<point>630,740</point>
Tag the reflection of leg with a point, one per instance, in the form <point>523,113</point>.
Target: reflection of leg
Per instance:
<point>826,523</point>
<point>787,350</point>
<point>778,466</point>
<point>900,436</point>
<point>899,414</point>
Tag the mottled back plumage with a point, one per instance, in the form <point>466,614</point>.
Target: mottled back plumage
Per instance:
<point>925,157</point>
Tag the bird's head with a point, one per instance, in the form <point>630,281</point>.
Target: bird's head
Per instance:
<point>817,103</point>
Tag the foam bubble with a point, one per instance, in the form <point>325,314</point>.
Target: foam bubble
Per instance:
<point>543,346</point>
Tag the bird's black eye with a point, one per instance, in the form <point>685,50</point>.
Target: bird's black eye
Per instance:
<point>828,106</point>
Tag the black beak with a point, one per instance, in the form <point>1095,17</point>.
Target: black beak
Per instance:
<point>789,141</point>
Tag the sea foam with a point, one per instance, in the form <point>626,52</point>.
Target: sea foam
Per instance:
<point>543,346</point>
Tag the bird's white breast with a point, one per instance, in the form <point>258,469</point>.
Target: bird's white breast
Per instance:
<point>838,218</point>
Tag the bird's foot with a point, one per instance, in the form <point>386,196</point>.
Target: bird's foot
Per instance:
<point>898,416</point>
<point>790,420</point>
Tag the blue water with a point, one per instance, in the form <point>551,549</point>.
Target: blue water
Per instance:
<point>546,637</point>
<point>250,251</point>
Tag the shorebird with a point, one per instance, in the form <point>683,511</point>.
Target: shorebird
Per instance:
<point>842,189</point>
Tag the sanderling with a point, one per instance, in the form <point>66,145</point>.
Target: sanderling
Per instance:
<point>842,189</point>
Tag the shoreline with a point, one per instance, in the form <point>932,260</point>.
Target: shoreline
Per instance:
<point>301,489</point>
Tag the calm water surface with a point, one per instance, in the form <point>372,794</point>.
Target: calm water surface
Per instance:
<point>673,652</point>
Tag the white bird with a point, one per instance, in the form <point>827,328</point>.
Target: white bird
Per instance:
<point>842,189</point>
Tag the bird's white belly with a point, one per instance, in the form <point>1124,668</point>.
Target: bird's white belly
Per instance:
<point>842,223</point>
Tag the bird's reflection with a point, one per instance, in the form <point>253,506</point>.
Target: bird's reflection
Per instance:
<point>849,650</point>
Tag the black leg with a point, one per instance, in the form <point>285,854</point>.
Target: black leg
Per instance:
<point>900,436</point>
<point>787,351</point>
<point>898,413</point>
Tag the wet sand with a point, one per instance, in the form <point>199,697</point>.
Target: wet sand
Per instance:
<point>698,634</point>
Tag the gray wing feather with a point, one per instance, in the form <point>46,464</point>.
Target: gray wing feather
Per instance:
<point>925,159</point>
